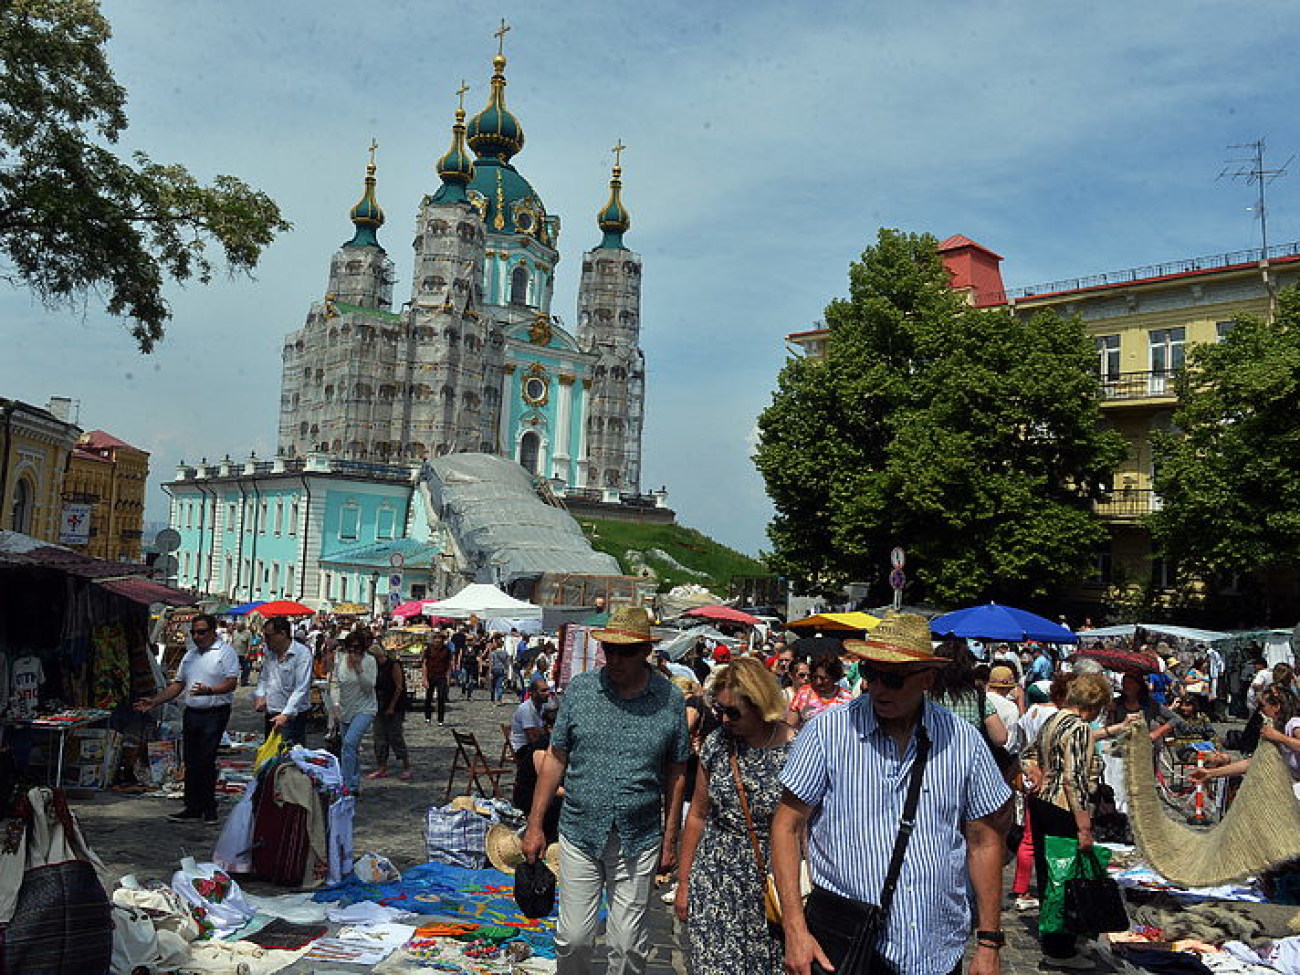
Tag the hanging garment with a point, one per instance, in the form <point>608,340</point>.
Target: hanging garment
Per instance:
<point>341,814</point>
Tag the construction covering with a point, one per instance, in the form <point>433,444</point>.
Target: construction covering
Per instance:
<point>502,528</point>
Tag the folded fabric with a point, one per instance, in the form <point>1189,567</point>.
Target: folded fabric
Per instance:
<point>365,911</point>
<point>287,935</point>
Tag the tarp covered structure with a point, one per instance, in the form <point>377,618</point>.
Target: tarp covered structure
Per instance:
<point>500,525</point>
<point>835,621</point>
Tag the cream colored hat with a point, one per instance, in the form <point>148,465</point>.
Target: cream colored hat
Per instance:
<point>901,639</point>
<point>505,850</point>
<point>627,624</point>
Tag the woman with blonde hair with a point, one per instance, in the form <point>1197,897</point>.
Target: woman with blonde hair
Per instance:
<point>1062,762</point>
<point>726,845</point>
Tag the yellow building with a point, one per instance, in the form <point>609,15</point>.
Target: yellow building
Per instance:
<point>109,475</point>
<point>1142,321</point>
<point>34,447</point>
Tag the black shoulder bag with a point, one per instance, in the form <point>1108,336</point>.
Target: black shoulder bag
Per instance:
<point>847,929</point>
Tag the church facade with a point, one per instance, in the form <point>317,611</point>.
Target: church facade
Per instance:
<point>475,361</point>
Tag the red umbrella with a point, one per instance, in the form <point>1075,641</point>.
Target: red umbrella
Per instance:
<point>1125,661</point>
<point>724,613</point>
<point>284,607</point>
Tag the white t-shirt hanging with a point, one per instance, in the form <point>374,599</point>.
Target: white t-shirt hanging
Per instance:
<point>28,676</point>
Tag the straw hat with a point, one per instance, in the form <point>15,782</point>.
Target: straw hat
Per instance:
<point>901,639</point>
<point>1002,676</point>
<point>505,850</point>
<point>627,624</point>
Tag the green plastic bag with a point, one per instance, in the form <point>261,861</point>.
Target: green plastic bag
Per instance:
<point>1062,857</point>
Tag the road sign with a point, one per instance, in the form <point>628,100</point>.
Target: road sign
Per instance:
<point>166,565</point>
<point>897,557</point>
<point>397,560</point>
<point>395,581</point>
<point>897,579</point>
<point>394,598</point>
<point>167,540</point>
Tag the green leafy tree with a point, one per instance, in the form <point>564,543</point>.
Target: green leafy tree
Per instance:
<point>968,435</point>
<point>1228,472</point>
<point>77,219</point>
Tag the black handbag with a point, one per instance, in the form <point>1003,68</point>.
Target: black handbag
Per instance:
<point>1094,903</point>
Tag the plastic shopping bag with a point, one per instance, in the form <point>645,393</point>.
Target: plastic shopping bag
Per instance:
<point>270,748</point>
<point>1062,854</point>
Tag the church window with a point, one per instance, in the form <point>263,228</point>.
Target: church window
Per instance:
<point>334,336</point>
<point>529,448</point>
<point>329,393</point>
<point>24,503</point>
<point>612,478</point>
<point>289,580</point>
<point>345,331</point>
<point>519,286</point>
<point>466,231</point>
<point>293,518</point>
<point>350,520</point>
<point>618,372</point>
<point>279,516</point>
<point>615,425</point>
<point>295,401</point>
<point>629,267</point>
<point>438,227</point>
<point>385,392</point>
<point>357,449</point>
<point>354,267</point>
<point>338,446</point>
<point>306,373</point>
<point>448,394</point>
<point>586,267</point>
<point>605,267</point>
<point>302,428</point>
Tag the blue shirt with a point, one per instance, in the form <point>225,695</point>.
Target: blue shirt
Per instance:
<point>850,771</point>
<point>1040,668</point>
<point>619,750</point>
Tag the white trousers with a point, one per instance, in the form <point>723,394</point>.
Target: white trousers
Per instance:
<point>626,883</point>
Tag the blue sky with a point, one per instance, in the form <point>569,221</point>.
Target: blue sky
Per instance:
<point>766,144</point>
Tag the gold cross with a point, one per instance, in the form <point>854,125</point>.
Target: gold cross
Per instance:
<point>374,144</point>
<point>500,35</point>
<point>460,93</point>
<point>618,153</point>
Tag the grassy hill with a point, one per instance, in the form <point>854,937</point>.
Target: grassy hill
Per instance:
<point>675,554</point>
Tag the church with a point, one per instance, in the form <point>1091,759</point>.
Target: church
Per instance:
<point>475,361</point>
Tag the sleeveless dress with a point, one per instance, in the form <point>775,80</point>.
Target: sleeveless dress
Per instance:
<point>726,928</point>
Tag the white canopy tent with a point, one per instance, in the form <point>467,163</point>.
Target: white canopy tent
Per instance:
<point>484,601</point>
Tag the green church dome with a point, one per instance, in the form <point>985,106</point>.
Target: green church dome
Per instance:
<point>495,131</point>
<point>456,169</point>
<point>367,215</point>
<point>614,219</point>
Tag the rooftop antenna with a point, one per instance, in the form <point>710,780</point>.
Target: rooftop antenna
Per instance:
<point>1250,167</point>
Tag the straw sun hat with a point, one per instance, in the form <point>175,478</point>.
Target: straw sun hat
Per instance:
<point>627,624</point>
<point>901,639</point>
<point>505,850</point>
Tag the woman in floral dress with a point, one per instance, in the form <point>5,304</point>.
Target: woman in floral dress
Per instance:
<point>721,894</point>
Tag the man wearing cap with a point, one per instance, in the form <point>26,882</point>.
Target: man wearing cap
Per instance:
<point>1005,694</point>
<point>846,783</point>
<point>620,744</point>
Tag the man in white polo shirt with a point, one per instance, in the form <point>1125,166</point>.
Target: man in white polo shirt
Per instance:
<point>207,676</point>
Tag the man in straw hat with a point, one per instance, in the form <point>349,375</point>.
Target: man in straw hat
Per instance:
<point>620,744</point>
<point>846,782</point>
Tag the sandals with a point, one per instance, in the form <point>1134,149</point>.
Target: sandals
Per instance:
<point>378,774</point>
<point>406,775</point>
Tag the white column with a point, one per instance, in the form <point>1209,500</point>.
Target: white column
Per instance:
<point>582,434</point>
<point>563,413</point>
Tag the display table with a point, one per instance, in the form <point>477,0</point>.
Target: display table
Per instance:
<point>63,724</point>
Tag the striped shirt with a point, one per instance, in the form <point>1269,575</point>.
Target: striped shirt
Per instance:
<point>1065,752</point>
<point>850,771</point>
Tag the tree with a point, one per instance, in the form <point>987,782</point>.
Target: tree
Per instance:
<point>1228,471</point>
<point>75,218</point>
<point>968,435</point>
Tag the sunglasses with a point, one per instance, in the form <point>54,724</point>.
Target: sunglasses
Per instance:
<point>615,650</point>
<point>726,711</point>
<point>890,679</point>
<point>199,630</point>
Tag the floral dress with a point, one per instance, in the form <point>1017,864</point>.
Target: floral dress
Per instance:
<point>726,926</point>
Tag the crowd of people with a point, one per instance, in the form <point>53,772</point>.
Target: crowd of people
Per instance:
<point>766,785</point>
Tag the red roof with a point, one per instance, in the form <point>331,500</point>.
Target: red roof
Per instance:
<point>958,241</point>
<point>99,440</point>
<point>146,592</point>
<point>84,454</point>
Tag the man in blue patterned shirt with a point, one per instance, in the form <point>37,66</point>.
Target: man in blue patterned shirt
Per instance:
<point>620,746</point>
<point>845,783</point>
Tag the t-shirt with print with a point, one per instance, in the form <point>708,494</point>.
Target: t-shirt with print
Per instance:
<point>27,680</point>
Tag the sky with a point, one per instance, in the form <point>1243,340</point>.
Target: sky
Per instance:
<point>766,144</point>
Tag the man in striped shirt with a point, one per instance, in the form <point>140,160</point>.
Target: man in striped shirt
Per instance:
<point>846,782</point>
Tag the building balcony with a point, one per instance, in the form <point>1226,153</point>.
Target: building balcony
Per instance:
<point>1128,504</point>
<point>1149,386</point>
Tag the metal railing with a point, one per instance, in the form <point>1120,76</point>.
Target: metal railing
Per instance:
<point>1128,504</point>
<point>1148,271</point>
<point>1142,384</point>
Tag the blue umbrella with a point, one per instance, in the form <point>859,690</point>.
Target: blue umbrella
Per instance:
<point>245,609</point>
<point>994,622</point>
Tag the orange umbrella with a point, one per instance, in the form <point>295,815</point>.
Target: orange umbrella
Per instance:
<point>284,607</point>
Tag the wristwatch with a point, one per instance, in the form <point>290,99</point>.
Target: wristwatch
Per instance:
<point>991,939</point>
